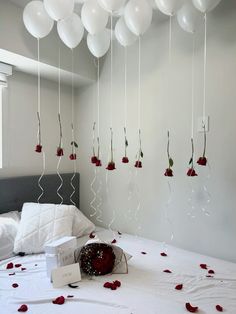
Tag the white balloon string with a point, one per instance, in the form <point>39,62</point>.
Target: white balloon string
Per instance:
<point>40,178</point>
<point>205,65</point>
<point>169,80</point>
<point>207,193</point>
<point>39,81</point>
<point>129,198</point>
<point>94,194</point>
<point>137,210</point>
<point>170,41</point>
<point>59,81</point>
<point>98,97</point>
<point>125,89</point>
<point>99,211</point>
<point>73,187</point>
<point>191,212</point>
<point>60,177</point>
<point>139,82</point>
<point>111,105</point>
<point>193,87</point>
<point>167,211</point>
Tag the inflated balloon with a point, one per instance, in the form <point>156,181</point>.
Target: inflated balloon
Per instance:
<point>59,9</point>
<point>205,5</point>
<point>189,18</point>
<point>138,16</point>
<point>71,30</point>
<point>169,7</point>
<point>111,5</point>
<point>36,19</point>
<point>94,17</point>
<point>99,43</point>
<point>124,36</point>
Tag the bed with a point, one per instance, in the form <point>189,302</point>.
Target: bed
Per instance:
<point>145,289</point>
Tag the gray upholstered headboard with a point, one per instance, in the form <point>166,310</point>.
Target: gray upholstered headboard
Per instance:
<point>14,192</point>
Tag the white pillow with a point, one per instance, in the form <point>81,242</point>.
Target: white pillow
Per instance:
<point>42,223</point>
<point>9,223</point>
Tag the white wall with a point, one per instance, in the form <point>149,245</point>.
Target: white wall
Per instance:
<point>214,235</point>
<point>20,126</point>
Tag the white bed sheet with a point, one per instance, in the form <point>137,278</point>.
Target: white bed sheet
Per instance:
<point>145,290</point>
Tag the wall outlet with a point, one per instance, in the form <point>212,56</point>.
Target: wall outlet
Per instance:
<point>203,121</point>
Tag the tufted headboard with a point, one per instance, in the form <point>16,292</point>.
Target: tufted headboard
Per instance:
<point>14,192</point>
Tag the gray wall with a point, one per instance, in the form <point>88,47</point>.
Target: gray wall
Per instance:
<point>214,235</point>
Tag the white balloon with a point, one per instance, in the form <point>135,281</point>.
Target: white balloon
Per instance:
<point>36,19</point>
<point>93,17</point>
<point>71,30</point>
<point>169,7</point>
<point>111,5</point>
<point>205,5</point>
<point>138,16</point>
<point>99,43</point>
<point>189,18</point>
<point>124,36</point>
<point>59,9</point>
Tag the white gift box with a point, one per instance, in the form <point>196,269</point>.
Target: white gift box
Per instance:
<point>60,253</point>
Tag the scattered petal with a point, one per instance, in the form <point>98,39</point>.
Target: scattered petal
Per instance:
<point>211,271</point>
<point>144,253</point>
<point>163,254</point>
<point>113,241</point>
<point>18,265</point>
<point>21,254</point>
<point>36,265</point>
<point>203,266</point>
<point>72,286</point>
<point>92,235</point>
<point>209,276</point>
<point>15,285</point>
<point>23,308</point>
<point>179,287</point>
<point>70,296</point>
<point>12,274</point>
<point>167,271</point>
<point>119,232</point>
<point>117,283</point>
<point>9,266</point>
<point>107,285</point>
<point>219,308</point>
<point>190,308</point>
<point>60,300</point>
<point>23,268</point>
<point>113,286</point>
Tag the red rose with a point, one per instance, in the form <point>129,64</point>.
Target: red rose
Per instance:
<point>202,161</point>
<point>211,271</point>
<point>23,308</point>
<point>168,173</point>
<point>9,266</point>
<point>219,308</point>
<point>117,283</point>
<point>72,156</point>
<point>191,172</point>
<point>60,300</point>
<point>111,166</point>
<point>179,287</point>
<point>138,164</point>
<point>15,285</point>
<point>107,285</point>
<point>98,163</point>
<point>125,160</point>
<point>113,286</point>
<point>113,241</point>
<point>38,148</point>
<point>190,308</point>
<point>60,152</point>
<point>94,160</point>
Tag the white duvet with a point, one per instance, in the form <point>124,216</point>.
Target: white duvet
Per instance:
<point>145,290</point>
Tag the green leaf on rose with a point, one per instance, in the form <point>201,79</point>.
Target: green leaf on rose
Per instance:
<point>190,161</point>
<point>126,143</point>
<point>171,162</point>
<point>141,154</point>
<point>74,144</point>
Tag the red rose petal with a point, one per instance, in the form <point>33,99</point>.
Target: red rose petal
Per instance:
<point>219,308</point>
<point>117,283</point>
<point>12,274</point>
<point>163,254</point>
<point>203,266</point>
<point>70,296</point>
<point>167,271</point>
<point>190,308</point>
<point>9,266</point>
<point>23,268</point>
<point>144,253</point>
<point>113,286</point>
<point>15,285</point>
<point>92,235</point>
<point>18,265</point>
<point>60,300</point>
<point>179,287</point>
<point>211,271</point>
<point>113,241</point>
<point>23,308</point>
<point>107,284</point>
<point>209,276</point>
<point>119,232</point>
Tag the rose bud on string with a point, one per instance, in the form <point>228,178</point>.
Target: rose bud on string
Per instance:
<point>72,156</point>
<point>138,163</point>
<point>60,152</point>
<point>111,165</point>
<point>191,172</point>
<point>169,171</point>
<point>94,158</point>
<point>74,145</point>
<point>38,148</point>
<point>202,161</point>
<point>125,159</point>
<point>98,162</point>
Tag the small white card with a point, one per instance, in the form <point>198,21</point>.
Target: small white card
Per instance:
<point>66,275</point>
